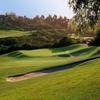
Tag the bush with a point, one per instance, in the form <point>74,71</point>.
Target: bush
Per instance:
<point>96,41</point>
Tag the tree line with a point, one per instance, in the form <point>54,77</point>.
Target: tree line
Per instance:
<point>11,21</point>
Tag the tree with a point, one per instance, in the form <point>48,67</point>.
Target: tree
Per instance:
<point>87,12</point>
<point>72,25</point>
<point>96,41</point>
<point>60,20</point>
<point>65,22</point>
<point>54,19</point>
<point>49,19</point>
<point>11,21</point>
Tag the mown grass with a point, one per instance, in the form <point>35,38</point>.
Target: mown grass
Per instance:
<point>28,63</point>
<point>48,52</point>
<point>12,33</point>
<point>78,83</point>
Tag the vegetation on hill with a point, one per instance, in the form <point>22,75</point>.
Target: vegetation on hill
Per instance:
<point>11,21</point>
<point>41,32</point>
<point>34,40</point>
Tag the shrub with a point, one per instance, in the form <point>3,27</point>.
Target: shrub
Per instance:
<point>96,41</point>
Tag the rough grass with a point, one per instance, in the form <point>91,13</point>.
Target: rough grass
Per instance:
<point>79,83</point>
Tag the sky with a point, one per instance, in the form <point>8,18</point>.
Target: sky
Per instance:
<point>31,8</point>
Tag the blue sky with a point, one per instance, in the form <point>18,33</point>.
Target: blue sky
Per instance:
<point>32,8</point>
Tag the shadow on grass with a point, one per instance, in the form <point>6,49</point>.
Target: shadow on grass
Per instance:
<point>83,51</point>
<point>58,68</point>
<point>55,50</point>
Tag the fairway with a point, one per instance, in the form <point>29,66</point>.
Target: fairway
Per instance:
<point>76,83</point>
<point>12,33</point>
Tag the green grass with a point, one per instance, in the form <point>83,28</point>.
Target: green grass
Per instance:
<point>81,82</point>
<point>12,33</point>
<point>47,52</point>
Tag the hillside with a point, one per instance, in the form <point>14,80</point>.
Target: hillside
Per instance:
<point>24,40</point>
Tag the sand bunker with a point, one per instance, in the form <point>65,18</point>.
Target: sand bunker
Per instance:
<point>25,76</point>
<point>46,71</point>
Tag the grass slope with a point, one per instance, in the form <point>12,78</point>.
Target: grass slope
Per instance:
<point>12,33</point>
<point>78,83</point>
<point>53,52</point>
